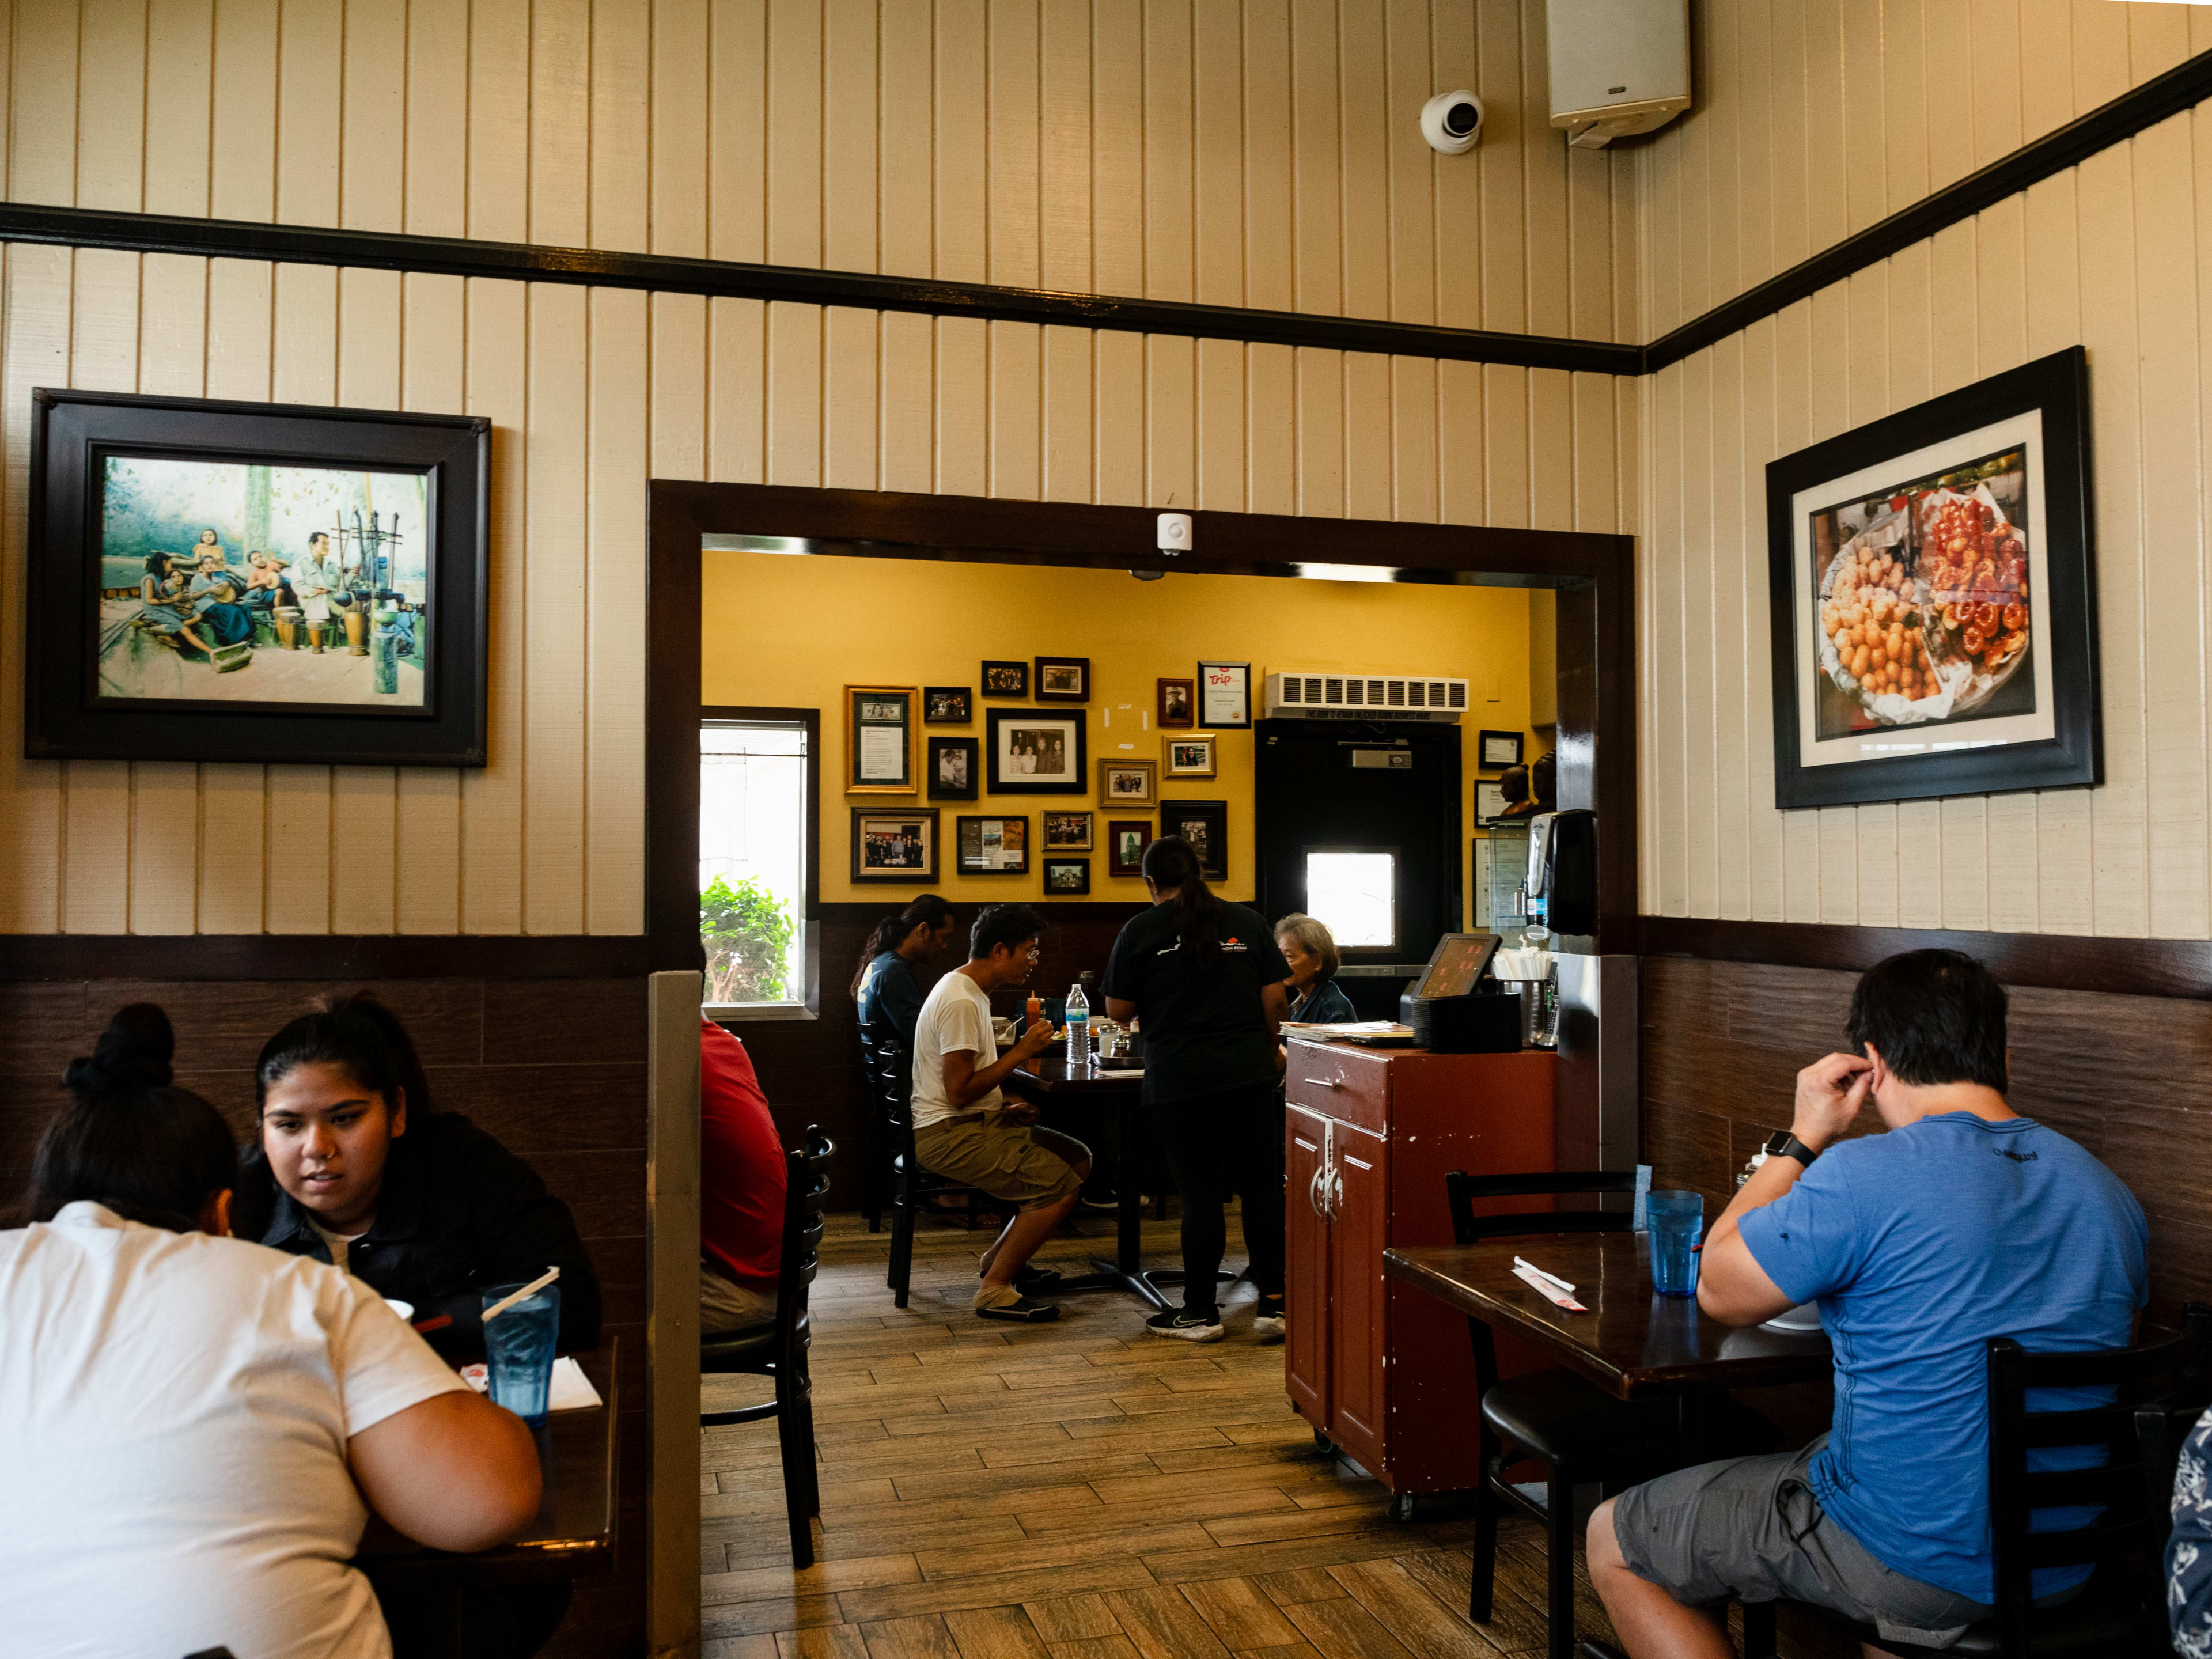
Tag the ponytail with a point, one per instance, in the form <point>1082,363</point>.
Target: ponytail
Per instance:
<point>1172,867</point>
<point>927,911</point>
<point>129,1140</point>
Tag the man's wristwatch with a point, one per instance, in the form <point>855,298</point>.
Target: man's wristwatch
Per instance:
<point>1785,1145</point>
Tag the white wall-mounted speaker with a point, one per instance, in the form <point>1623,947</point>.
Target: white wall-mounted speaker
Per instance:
<point>1618,67</point>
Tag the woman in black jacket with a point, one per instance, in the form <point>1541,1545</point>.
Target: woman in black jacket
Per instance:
<point>353,1166</point>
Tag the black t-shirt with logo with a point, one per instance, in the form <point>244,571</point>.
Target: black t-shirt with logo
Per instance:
<point>1203,1024</point>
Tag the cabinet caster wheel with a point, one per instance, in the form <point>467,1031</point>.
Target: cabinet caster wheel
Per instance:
<point>1323,1444</point>
<point>1401,1506</point>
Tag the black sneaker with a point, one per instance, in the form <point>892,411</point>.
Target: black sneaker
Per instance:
<point>1187,1326</point>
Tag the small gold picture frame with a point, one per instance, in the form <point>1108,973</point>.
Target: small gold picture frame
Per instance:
<point>879,722</point>
<point>1186,756</point>
<point>1128,783</point>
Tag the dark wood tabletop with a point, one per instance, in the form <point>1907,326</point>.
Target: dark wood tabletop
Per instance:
<point>1634,1343</point>
<point>573,1535</point>
<point>1041,1078</point>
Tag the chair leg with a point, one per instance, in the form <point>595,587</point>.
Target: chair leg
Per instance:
<point>1481,1583</point>
<point>1759,1629</point>
<point>797,1460</point>
<point>1560,1568</point>
<point>902,1242</point>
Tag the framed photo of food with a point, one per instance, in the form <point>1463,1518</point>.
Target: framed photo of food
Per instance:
<point>1188,757</point>
<point>1067,832</point>
<point>880,739</point>
<point>1006,680</point>
<point>1066,878</point>
<point>1128,783</point>
<point>947,705</point>
<point>952,768</point>
<point>895,844</point>
<point>993,846</point>
<point>1036,751</point>
<point>1126,841</point>
<point>1934,598</point>
<point>1205,825</point>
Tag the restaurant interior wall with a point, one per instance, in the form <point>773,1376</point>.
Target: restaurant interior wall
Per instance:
<point>791,631</point>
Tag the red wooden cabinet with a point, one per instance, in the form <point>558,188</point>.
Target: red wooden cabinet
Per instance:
<point>1385,1372</point>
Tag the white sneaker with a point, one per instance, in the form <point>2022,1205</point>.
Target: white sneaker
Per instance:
<point>1270,1327</point>
<point>1185,1326</point>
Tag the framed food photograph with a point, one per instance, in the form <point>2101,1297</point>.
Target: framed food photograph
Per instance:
<point>1036,751</point>
<point>1006,680</point>
<point>1225,694</point>
<point>1495,751</point>
<point>1063,679</point>
<point>895,844</point>
<point>233,582</point>
<point>880,739</point>
<point>1127,782</point>
<point>991,845</point>
<point>947,705</point>
<point>952,769</point>
<point>1188,757</point>
<point>1178,698</point>
<point>1066,878</point>
<point>1126,841</point>
<point>1067,832</point>
<point>1934,598</point>
<point>1205,825</point>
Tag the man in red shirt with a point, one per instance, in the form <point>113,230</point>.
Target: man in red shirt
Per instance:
<point>741,1183</point>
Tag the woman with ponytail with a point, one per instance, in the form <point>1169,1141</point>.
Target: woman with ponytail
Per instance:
<point>886,987</point>
<point>197,1428</point>
<point>353,1166</point>
<point>1204,977</point>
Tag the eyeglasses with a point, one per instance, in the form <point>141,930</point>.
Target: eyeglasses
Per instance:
<point>1036,954</point>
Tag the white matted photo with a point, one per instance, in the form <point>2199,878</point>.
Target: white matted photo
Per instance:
<point>1188,756</point>
<point>1036,751</point>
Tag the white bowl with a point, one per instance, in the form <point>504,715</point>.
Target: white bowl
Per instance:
<point>404,1309</point>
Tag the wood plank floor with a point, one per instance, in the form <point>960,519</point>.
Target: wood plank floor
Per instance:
<point>1079,1491</point>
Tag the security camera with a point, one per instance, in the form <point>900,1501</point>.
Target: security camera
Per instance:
<point>1175,533</point>
<point>1451,122</point>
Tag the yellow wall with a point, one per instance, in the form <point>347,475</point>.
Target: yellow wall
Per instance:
<point>794,632</point>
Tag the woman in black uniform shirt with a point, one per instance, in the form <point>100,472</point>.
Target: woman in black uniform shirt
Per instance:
<point>1207,980</point>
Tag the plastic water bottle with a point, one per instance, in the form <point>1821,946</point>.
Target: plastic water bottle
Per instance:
<point>1079,1027</point>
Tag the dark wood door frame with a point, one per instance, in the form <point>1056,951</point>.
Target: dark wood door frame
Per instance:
<point>1594,576</point>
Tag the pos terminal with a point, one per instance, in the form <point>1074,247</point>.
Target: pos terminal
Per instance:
<point>1455,1008</point>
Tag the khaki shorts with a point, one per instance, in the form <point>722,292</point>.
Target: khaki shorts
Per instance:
<point>725,1306</point>
<point>1750,1529</point>
<point>1025,1165</point>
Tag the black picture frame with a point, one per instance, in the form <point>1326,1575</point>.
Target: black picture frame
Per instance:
<point>1060,669</point>
<point>66,717</point>
<point>1066,878</point>
<point>1224,695</point>
<point>1177,815</point>
<point>886,819</point>
<point>2038,416</point>
<point>1484,743</point>
<point>947,705</point>
<point>966,747</point>
<point>1069,779</point>
<point>1117,832</point>
<point>1004,680</point>
<point>971,852</point>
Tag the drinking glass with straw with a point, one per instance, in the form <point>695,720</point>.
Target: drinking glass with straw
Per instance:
<point>521,1323</point>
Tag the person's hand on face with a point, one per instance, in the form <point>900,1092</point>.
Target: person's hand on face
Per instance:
<point>1830,1092</point>
<point>327,1139</point>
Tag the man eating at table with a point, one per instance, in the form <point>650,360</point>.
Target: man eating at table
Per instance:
<point>1966,1222</point>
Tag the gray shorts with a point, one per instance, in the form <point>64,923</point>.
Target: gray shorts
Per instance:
<point>1750,1529</point>
<point>1019,1162</point>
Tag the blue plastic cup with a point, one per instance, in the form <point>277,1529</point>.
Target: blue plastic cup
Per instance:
<point>519,1347</point>
<point>1677,1221</point>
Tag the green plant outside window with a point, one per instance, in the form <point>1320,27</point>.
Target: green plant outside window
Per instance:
<point>748,932</point>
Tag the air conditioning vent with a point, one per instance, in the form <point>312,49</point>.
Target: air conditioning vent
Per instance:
<point>1364,697</point>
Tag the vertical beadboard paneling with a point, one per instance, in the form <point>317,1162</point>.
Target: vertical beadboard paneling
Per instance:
<point>498,379</point>
<point>613,605</point>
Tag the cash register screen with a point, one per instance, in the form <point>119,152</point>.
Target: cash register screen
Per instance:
<point>1458,964</point>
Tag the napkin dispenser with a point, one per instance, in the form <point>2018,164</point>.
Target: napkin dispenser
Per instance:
<point>1454,1007</point>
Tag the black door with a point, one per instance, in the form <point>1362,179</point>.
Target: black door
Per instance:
<point>1359,824</point>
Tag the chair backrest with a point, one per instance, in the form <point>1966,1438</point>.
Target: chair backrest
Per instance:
<point>1464,1191</point>
<point>2150,1388</point>
<point>806,1194</point>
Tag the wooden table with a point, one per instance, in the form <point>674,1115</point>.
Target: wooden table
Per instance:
<point>1632,1342</point>
<point>574,1535</point>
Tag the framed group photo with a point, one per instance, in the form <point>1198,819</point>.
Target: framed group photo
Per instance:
<point>1067,832</point>
<point>1063,679</point>
<point>1127,782</point>
<point>947,705</point>
<point>993,846</point>
<point>1933,616</point>
<point>952,762</point>
<point>1036,751</point>
<point>880,739</point>
<point>1188,757</point>
<point>1006,680</point>
<point>895,844</point>
<point>1205,825</point>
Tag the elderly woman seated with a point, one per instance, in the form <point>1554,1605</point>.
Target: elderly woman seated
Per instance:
<point>1311,950</point>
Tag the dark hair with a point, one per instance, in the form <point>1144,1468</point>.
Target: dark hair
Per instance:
<point>357,1032</point>
<point>1514,784</point>
<point>1170,865</point>
<point>1936,1016</point>
<point>927,911</point>
<point>1009,924</point>
<point>1544,782</point>
<point>131,1140</point>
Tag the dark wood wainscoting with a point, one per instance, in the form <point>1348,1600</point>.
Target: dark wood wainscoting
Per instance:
<point>556,1068</point>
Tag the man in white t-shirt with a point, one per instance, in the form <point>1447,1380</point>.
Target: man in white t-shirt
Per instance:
<point>191,1425</point>
<point>966,1131</point>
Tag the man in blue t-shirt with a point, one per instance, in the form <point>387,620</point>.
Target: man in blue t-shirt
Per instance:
<point>1966,1222</point>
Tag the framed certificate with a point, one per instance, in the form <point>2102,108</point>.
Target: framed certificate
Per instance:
<point>1225,694</point>
<point>880,739</point>
<point>1499,751</point>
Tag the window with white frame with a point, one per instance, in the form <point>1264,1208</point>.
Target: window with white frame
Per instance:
<point>753,854</point>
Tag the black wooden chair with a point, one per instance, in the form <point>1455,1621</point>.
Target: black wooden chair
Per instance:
<point>1580,1434</point>
<point>778,1348</point>
<point>914,1190</point>
<point>2158,1392</point>
<point>879,1140</point>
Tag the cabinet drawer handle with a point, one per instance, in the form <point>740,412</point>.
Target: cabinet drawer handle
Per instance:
<point>1325,1082</point>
